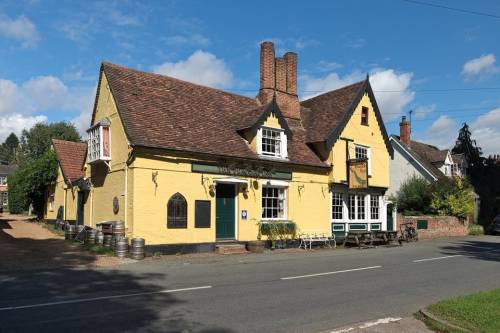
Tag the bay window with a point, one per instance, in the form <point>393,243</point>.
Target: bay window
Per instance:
<point>99,148</point>
<point>374,207</point>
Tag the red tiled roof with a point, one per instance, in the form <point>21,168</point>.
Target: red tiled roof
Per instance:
<point>327,110</point>
<point>163,112</point>
<point>71,157</point>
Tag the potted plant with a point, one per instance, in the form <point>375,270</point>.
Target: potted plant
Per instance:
<point>259,245</point>
<point>278,232</point>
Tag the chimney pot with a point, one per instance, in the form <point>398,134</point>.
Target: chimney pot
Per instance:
<point>267,65</point>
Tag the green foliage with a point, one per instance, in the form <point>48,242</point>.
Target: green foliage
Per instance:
<point>476,229</point>
<point>453,197</point>
<point>36,141</point>
<point>28,184</point>
<point>277,231</point>
<point>8,150</point>
<point>414,196</point>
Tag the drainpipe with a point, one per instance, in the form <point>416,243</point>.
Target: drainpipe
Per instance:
<point>64,202</point>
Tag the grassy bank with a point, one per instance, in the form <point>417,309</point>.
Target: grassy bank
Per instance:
<point>478,312</point>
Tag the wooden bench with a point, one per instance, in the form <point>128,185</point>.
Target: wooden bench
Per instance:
<point>307,239</point>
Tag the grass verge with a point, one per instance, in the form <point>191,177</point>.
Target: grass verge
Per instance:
<point>98,249</point>
<point>477,312</point>
<point>52,228</point>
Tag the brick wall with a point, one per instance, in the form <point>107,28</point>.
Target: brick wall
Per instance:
<point>437,226</point>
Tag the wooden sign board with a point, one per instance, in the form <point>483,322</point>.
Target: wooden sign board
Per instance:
<point>358,174</point>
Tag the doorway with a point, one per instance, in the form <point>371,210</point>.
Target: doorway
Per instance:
<point>225,206</point>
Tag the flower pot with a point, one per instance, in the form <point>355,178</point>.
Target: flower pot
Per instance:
<point>256,246</point>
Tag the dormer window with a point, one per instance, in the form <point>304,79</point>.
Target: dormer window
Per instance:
<point>272,142</point>
<point>99,148</point>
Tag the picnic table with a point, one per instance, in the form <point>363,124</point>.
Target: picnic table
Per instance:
<point>364,238</point>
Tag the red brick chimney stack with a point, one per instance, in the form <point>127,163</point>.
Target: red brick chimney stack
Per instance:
<point>405,130</point>
<point>291,72</point>
<point>267,69</point>
<point>278,77</point>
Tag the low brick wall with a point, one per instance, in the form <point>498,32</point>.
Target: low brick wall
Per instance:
<point>437,226</point>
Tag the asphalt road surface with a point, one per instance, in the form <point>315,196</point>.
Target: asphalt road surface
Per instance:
<point>287,292</point>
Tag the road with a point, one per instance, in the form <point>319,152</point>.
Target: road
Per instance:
<point>286,292</point>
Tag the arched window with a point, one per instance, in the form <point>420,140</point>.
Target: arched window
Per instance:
<point>177,212</point>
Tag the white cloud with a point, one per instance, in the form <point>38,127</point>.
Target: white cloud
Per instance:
<point>486,131</point>
<point>120,19</point>
<point>16,123</point>
<point>45,91</point>
<point>9,96</point>
<point>422,111</point>
<point>442,133</point>
<point>480,67</point>
<point>21,29</point>
<point>200,67</point>
<point>192,39</point>
<point>392,89</point>
<point>82,122</point>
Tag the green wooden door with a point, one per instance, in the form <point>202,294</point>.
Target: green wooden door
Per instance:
<point>390,220</point>
<point>79,208</point>
<point>224,211</point>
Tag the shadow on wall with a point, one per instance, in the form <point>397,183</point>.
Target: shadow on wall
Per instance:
<point>28,283</point>
<point>99,171</point>
<point>477,249</point>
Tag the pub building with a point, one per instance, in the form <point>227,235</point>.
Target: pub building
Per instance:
<point>188,166</point>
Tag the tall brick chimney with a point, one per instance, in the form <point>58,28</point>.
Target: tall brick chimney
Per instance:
<point>278,77</point>
<point>405,130</point>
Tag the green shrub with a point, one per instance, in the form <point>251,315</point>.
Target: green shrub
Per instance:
<point>414,196</point>
<point>476,229</point>
<point>453,197</point>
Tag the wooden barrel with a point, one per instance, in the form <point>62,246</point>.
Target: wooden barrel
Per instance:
<point>107,240</point>
<point>119,229</point>
<point>90,237</point>
<point>99,237</point>
<point>70,232</point>
<point>121,247</point>
<point>137,248</point>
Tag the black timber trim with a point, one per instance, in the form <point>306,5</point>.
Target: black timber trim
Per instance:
<point>366,87</point>
<point>272,108</point>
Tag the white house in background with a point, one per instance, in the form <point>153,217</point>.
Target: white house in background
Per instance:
<point>413,158</point>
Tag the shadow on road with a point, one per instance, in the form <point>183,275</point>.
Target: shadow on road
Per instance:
<point>477,249</point>
<point>64,280</point>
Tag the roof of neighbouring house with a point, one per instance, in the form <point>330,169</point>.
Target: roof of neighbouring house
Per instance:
<point>458,158</point>
<point>425,154</point>
<point>71,157</point>
<point>7,169</point>
<point>158,111</point>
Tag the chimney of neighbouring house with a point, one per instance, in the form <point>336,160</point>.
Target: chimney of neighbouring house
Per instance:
<point>405,130</point>
<point>278,78</point>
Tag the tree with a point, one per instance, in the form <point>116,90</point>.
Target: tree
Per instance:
<point>29,183</point>
<point>467,146</point>
<point>8,149</point>
<point>36,141</point>
<point>453,196</point>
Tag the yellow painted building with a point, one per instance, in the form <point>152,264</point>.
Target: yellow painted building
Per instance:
<point>181,163</point>
<point>64,197</point>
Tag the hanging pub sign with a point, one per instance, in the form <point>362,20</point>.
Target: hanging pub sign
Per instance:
<point>358,174</point>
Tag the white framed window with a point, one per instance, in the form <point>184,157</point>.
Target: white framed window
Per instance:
<point>363,153</point>
<point>272,142</point>
<point>352,207</point>
<point>273,203</point>
<point>337,206</point>
<point>99,143</point>
<point>361,209</point>
<point>3,180</point>
<point>374,207</point>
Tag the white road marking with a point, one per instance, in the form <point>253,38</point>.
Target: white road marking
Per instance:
<point>92,299</point>
<point>329,273</point>
<point>368,324</point>
<point>438,258</point>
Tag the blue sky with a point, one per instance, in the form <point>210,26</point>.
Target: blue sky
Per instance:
<point>50,53</point>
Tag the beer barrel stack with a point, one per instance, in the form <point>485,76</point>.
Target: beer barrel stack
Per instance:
<point>90,237</point>
<point>108,240</point>
<point>69,232</point>
<point>99,237</point>
<point>137,248</point>
<point>121,247</point>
